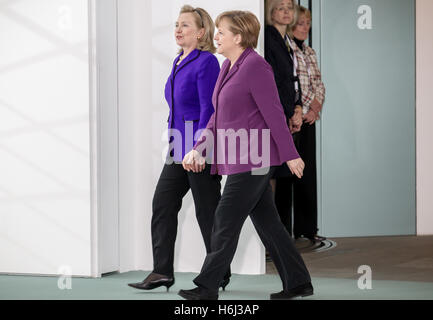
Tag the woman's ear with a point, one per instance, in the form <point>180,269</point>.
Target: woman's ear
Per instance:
<point>201,33</point>
<point>238,39</point>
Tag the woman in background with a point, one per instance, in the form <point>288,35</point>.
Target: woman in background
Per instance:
<point>280,16</point>
<point>189,95</point>
<point>313,96</point>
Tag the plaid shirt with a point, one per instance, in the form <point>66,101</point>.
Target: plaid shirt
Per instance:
<point>310,77</point>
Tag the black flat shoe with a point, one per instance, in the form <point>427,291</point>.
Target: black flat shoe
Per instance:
<point>198,294</point>
<point>300,291</point>
<point>153,281</point>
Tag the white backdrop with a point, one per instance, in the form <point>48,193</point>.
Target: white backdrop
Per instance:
<point>146,52</point>
<point>44,137</point>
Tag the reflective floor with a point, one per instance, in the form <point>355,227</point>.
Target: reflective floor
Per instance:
<point>390,258</point>
<point>401,268</point>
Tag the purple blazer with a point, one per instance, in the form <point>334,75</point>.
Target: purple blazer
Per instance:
<point>246,98</point>
<point>188,92</point>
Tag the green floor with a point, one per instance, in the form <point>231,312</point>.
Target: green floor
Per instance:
<point>242,287</point>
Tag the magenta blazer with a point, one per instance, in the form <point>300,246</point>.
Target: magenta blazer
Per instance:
<point>246,97</point>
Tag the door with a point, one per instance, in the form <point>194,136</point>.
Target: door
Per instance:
<point>367,132</point>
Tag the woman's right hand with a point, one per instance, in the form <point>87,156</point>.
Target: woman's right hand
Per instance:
<point>194,162</point>
<point>297,167</point>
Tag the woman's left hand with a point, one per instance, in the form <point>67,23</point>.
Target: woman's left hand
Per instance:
<point>297,167</point>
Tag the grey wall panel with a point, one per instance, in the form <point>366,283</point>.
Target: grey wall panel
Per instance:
<point>368,123</point>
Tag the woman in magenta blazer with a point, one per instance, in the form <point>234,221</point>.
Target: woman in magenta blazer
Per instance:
<point>188,93</point>
<point>247,110</point>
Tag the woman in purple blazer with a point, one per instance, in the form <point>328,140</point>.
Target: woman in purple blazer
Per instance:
<point>189,95</point>
<point>246,100</point>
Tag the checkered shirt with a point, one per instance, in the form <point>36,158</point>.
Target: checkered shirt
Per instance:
<point>311,82</point>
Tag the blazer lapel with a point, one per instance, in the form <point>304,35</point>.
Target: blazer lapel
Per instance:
<point>280,40</point>
<point>219,81</point>
<point>190,58</point>
<point>283,45</point>
<point>230,74</point>
<point>234,69</point>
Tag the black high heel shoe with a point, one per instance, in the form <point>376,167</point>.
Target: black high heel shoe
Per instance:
<point>224,283</point>
<point>153,281</point>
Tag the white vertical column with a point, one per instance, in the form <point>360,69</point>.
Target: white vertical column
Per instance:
<point>136,176</point>
<point>104,133</point>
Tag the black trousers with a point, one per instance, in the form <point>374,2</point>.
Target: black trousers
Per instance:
<point>250,195</point>
<point>172,186</point>
<point>304,190</point>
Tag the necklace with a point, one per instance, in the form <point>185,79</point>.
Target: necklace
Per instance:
<point>180,59</point>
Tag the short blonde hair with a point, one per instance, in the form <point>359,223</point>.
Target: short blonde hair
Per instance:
<point>270,6</point>
<point>243,23</point>
<point>300,11</point>
<point>203,21</point>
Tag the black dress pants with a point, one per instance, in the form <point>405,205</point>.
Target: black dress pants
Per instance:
<point>304,190</point>
<point>172,186</point>
<point>250,195</point>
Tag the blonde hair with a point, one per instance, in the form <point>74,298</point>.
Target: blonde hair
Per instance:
<point>204,21</point>
<point>300,11</point>
<point>243,23</point>
<point>270,6</point>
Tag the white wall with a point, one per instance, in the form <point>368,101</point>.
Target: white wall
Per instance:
<point>146,52</point>
<point>44,137</point>
<point>424,26</point>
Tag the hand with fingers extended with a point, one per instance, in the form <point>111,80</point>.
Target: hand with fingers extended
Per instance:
<point>297,167</point>
<point>194,162</point>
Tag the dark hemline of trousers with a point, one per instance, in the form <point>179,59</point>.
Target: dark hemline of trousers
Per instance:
<point>250,195</point>
<point>173,184</point>
<point>304,190</point>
